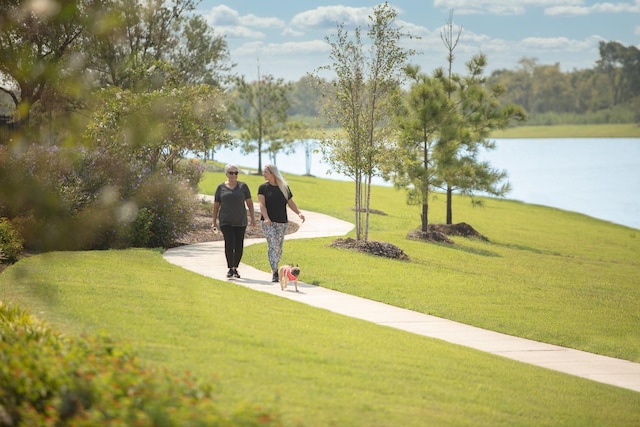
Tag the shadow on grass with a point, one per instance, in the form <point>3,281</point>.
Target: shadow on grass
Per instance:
<point>474,251</point>
<point>527,248</point>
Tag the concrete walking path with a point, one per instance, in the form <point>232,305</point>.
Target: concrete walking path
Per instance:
<point>208,259</point>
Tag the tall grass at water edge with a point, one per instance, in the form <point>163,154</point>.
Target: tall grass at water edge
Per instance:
<point>625,130</point>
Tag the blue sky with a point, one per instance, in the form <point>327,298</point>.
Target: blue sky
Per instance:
<point>286,38</point>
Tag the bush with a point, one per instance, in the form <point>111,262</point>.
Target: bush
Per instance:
<point>141,234</point>
<point>171,205</point>
<point>191,170</point>
<point>78,199</point>
<point>11,243</point>
<point>47,379</point>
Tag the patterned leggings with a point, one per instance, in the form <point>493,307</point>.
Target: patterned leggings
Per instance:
<point>274,234</point>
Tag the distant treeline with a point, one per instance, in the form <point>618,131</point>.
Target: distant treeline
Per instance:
<point>607,93</point>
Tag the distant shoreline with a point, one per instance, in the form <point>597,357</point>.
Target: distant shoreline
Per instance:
<point>627,130</point>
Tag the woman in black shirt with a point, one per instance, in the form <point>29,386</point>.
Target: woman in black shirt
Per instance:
<point>274,196</point>
<point>229,209</point>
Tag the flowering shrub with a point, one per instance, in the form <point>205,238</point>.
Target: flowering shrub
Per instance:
<point>191,171</point>
<point>10,242</point>
<point>47,379</point>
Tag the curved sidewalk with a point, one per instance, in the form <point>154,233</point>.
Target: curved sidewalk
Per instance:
<point>208,259</point>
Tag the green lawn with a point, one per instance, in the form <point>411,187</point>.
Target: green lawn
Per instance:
<point>546,274</point>
<point>574,277</point>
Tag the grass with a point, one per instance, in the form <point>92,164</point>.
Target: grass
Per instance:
<point>572,276</point>
<point>557,276</point>
<point>316,367</point>
<point>628,130</point>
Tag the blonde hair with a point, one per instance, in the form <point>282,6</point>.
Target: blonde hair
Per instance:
<point>282,183</point>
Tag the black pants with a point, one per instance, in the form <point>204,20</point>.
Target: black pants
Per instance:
<point>233,244</point>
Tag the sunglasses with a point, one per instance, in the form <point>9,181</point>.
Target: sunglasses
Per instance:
<point>233,172</point>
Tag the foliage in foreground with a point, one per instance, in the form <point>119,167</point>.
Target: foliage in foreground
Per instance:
<point>47,379</point>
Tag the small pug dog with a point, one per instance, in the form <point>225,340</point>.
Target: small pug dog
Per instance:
<point>288,273</point>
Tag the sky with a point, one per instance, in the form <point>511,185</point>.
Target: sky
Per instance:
<point>288,38</point>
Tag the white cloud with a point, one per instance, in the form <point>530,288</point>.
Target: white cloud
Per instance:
<point>551,7</point>
<point>413,29</point>
<point>471,7</point>
<point>327,17</point>
<point>257,21</point>
<point>555,43</point>
<point>223,16</point>
<point>636,30</point>
<point>291,32</point>
<point>239,32</point>
<point>594,9</point>
<point>312,47</point>
<point>501,7</point>
<point>566,10</point>
<point>229,22</point>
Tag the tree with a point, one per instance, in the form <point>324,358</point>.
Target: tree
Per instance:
<point>475,113</point>
<point>158,128</point>
<point>622,66</point>
<point>427,106</point>
<point>362,101</point>
<point>201,56</point>
<point>260,110</point>
<point>34,46</point>
<point>304,99</point>
<point>143,35</point>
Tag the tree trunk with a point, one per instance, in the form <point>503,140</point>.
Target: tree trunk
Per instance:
<point>368,202</point>
<point>425,216</point>
<point>358,205</point>
<point>449,203</point>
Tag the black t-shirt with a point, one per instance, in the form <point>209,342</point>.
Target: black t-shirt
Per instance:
<point>233,209</point>
<point>275,202</point>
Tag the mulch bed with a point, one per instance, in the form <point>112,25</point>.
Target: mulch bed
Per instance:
<point>437,233</point>
<point>202,231</point>
<point>371,247</point>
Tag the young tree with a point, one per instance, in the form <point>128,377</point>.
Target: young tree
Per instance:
<point>260,110</point>
<point>475,113</point>
<point>427,107</point>
<point>363,100</point>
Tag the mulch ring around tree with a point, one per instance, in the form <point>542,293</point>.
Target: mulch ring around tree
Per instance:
<point>371,247</point>
<point>437,233</point>
<point>440,233</point>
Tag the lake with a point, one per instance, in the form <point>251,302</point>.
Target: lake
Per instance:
<point>599,177</point>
